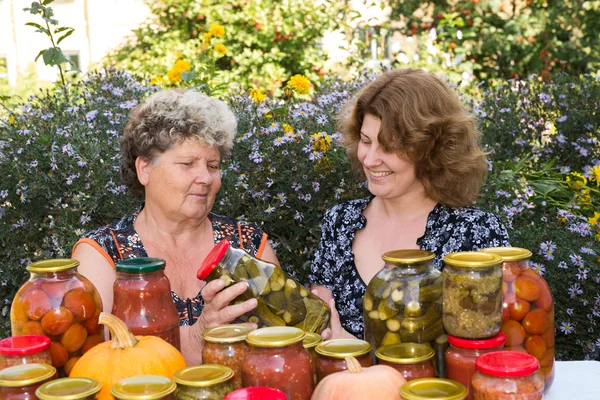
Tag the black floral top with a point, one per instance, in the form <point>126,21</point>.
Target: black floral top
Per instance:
<point>120,241</point>
<point>448,230</point>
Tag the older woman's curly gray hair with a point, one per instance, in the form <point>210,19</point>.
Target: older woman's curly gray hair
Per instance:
<point>169,117</point>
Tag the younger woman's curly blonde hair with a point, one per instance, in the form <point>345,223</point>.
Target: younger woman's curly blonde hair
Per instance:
<point>169,117</point>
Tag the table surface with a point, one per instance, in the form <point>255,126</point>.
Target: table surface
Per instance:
<point>575,380</point>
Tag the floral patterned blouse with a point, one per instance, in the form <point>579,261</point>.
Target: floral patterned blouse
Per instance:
<point>448,230</point>
<point>120,241</point>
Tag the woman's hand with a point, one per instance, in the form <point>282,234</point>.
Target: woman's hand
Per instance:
<point>335,330</point>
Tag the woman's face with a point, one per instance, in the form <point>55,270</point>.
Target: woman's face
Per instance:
<point>184,180</point>
<point>389,176</point>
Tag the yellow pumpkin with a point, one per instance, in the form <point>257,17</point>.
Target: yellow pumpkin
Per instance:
<point>358,383</point>
<point>126,355</point>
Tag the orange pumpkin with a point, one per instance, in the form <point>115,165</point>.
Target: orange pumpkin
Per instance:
<point>126,355</point>
<point>358,383</point>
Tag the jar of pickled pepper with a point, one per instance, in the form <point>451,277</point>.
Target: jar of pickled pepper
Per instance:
<point>281,300</point>
<point>412,360</point>
<point>527,309</point>
<point>69,389</point>
<point>59,303</point>
<point>472,294</point>
<point>203,382</point>
<point>403,302</point>
<point>331,355</point>
<point>144,387</point>
<point>142,299</point>
<point>26,349</point>
<point>21,381</point>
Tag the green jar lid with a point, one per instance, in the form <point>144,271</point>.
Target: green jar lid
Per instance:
<point>140,265</point>
<point>407,256</point>
<point>230,333</point>
<point>405,353</point>
<point>311,340</point>
<point>509,253</point>
<point>143,387</point>
<point>275,336</point>
<point>433,389</point>
<point>203,375</point>
<point>342,348</point>
<point>26,374</point>
<point>68,389</point>
<point>56,265</point>
<point>472,259</point>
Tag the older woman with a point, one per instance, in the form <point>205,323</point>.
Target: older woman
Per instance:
<point>171,154</point>
<point>418,148</point>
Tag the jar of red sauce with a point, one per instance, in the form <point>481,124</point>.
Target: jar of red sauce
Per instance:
<point>69,389</point>
<point>331,355</point>
<point>142,299</point>
<point>226,345</point>
<point>26,349</point>
<point>433,389</point>
<point>144,387</point>
<point>461,356</point>
<point>256,393</point>
<point>412,360</point>
<point>277,359</point>
<point>527,309</point>
<point>21,381</point>
<point>310,342</point>
<point>507,375</point>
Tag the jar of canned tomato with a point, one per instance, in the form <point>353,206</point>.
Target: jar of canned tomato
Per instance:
<point>412,360</point>
<point>461,356</point>
<point>331,355</point>
<point>144,387</point>
<point>69,389</point>
<point>204,382</point>
<point>433,389</point>
<point>21,381</point>
<point>226,345</point>
<point>527,309</point>
<point>26,349</point>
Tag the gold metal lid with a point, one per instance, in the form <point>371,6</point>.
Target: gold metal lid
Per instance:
<point>405,353</point>
<point>230,333</point>
<point>472,259</point>
<point>56,265</point>
<point>275,336</point>
<point>68,389</point>
<point>203,375</point>
<point>143,387</point>
<point>311,340</point>
<point>26,374</point>
<point>509,253</point>
<point>407,256</point>
<point>433,389</point>
<point>341,348</point>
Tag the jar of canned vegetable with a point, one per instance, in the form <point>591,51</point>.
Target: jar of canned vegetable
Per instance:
<point>203,382</point>
<point>144,387</point>
<point>26,349</point>
<point>527,309</point>
<point>69,389</point>
<point>472,294</point>
<point>21,381</point>
<point>331,355</point>
<point>433,389</point>
<point>412,360</point>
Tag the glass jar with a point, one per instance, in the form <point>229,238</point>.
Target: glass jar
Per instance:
<point>59,303</point>
<point>203,382</point>
<point>527,309</point>
<point>472,294</point>
<point>142,299</point>
<point>281,300</point>
<point>433,389</point>
<point>412,360</point>
<point>69,389</point>
<point>403,302</point>
<point>277,359</point>
<point>21,381</point>
<point>507,375</point>
<point>331,355</point>
<point>310,342</point>
<point>256,393</point>
<point>26,349</point>
<point>144,387</point>
<point>226,345</point>
<point>461,356</point>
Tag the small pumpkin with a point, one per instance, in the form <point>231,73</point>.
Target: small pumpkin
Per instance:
<point>126,355</point>
<point>358,383</point>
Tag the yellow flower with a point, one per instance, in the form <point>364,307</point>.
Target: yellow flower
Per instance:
<point>220,49</point>
<point>578,182</point>
<point>257,95</point>
<point>287,128</point>
<point>182,65</point>
<point>207,36</point>
<point>157,80</point>
<point>174,75</point>
<point>300,84</point>
<point>596,175</point>
<point>594,220</point>
<point>322,142</point>
<point>217,30</point>
<point>11,120</point>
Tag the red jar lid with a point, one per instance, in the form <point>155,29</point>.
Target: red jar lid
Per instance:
<point>212,259</point>
<point>23,345</point>
<point>256,393</point>
<point>511,364</point>
<point>491,343</point>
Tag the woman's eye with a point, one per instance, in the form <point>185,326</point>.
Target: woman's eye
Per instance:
<point>187,164</point>
<point>213,167</point>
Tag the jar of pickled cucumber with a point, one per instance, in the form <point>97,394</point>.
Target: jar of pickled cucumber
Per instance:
<point>59,303</point>
<point>21,381</point>
<point>69,389</point>
<point>331,355</point>
<point>527,309</point>
<point>472,294</point>
<point>281,300</point>
<point>144,387</point>
<point>412,360</point>
<point>203,382</point>
<point>403,302</point>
